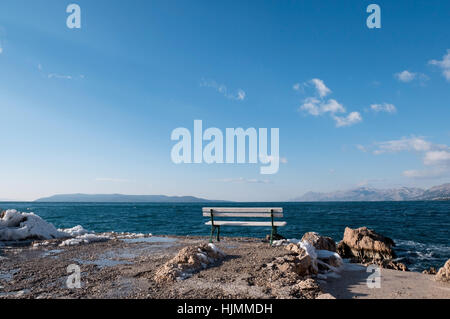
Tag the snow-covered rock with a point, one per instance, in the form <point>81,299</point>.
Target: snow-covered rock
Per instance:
<point>73,232</point>
<point>15,225</point>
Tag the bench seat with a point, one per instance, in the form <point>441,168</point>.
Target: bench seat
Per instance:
<point>239,223</point>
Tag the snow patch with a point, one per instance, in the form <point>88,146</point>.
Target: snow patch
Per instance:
<point>74,231</point>
<point>84,239</point>
<point>16,226</point>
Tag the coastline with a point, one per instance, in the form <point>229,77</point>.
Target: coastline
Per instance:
<point>125,268</point>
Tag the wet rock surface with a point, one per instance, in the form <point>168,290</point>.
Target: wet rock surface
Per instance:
<point>128,269</point>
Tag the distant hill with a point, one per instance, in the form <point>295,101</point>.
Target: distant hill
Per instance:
<point>119,198</point>
<point>369,194</point>
<point>441,192</point>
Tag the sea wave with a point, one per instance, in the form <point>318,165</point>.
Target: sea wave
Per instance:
<point>419,256</point>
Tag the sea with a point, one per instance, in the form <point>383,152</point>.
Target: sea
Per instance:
<point>420,230</point>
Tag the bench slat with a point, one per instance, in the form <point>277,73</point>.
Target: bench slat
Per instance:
<point>242,209</point>
<point>242,223</point>
<point>267,215</point>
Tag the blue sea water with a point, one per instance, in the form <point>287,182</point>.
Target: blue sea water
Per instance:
<point>421,230</point>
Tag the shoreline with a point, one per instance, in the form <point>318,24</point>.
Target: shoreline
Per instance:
<point>125,268</point>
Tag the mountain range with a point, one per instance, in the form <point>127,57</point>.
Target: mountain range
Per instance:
<point>369,194</point>
<point>360,194</point>
<point>119,198</point>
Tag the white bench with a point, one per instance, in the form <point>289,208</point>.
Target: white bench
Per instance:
<point>245,212</point>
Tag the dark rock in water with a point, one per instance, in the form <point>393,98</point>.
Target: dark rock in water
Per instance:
<point>365,246</point>
<point>320,242</point>
<point>444,273</point>
<point>275,237</point>
<point>430,271</point>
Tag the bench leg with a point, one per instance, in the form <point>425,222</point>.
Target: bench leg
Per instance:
<point>213,228</point>
<point>218,233</point>
<point>273,233</point>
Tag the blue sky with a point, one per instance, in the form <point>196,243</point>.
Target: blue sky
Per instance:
<point>91,110</point>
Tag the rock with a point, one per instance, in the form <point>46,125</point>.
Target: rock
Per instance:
<point>365,245</point>
<point>320,242</point>
<point>343,250</point>
<point>188,261</point>
<point>430,271</point>
<point>389,264</point>
<point>295,248</point>
<point>333,261</point>
<point>300,265</point>
<point>308,289</point>
<point>444,273</point>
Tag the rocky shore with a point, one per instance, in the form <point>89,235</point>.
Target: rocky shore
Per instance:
<point>186,267</point>
<point>39,261</point>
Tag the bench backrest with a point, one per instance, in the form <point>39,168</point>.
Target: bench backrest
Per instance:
<point>266,212</point>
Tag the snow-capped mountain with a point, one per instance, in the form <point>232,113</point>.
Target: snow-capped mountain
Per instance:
<point>441,192</point>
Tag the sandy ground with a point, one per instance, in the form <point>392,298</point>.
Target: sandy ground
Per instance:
<point>393,285</point>
<point>125,269</point>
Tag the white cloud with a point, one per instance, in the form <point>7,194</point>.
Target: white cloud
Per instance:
<point>444,65</point>
<point>433,155</point>
<point>405,76</point>
<point>317,105</point>
<point>417,144</point>
<point>441,157</point>
<point>384,107</point>
<point>240,95</point>
<point>59,76</point>
<point>321,88</point>
<point>350,119</point>
<point>311,105</point>
<point>362,148</point>
<point>332,106</point>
